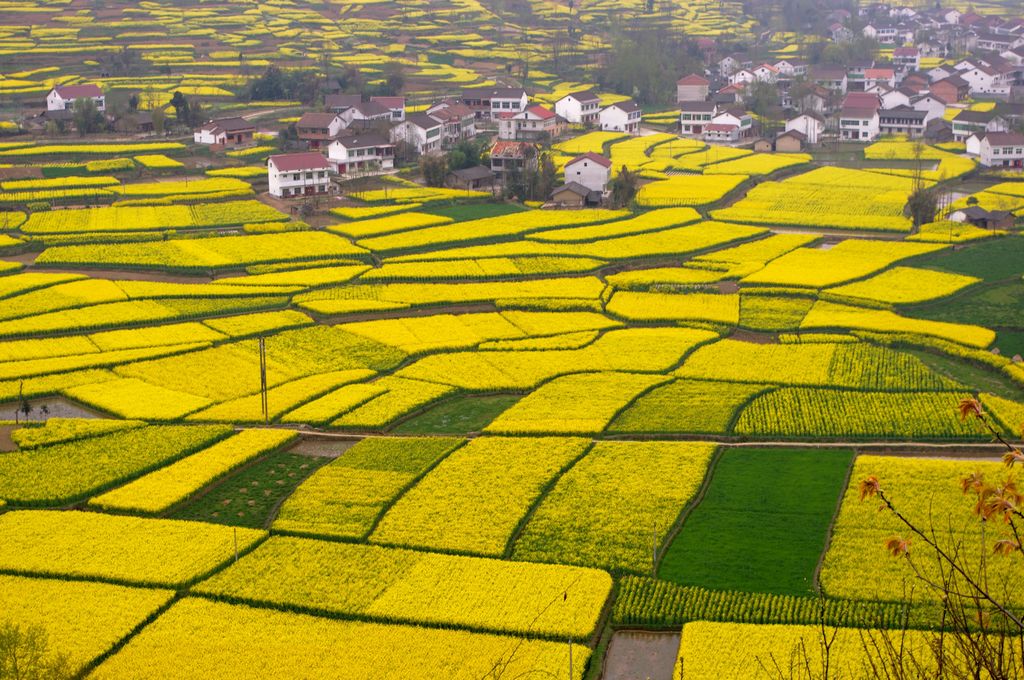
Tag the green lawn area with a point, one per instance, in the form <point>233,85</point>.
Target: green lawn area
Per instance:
<point>697,406</point>
<point>977,377</point>
<point>458,416</point>
<point>248,498</point>
<point>1010,343</point>
<point>762,524</point>
<point>999,306</point>
<point>472,211</point>
<point>993,259</point>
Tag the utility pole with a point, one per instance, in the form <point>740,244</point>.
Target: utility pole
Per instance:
<point>263,379</point>
<point>654,551</point>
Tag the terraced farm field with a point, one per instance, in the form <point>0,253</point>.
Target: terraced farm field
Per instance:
<point>411,431</point>
<point>518,435</point>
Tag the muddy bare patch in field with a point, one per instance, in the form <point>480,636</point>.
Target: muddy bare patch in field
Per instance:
<point>321,447</point>
<point>637,655</point>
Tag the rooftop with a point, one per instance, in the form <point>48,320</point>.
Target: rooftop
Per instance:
<point>290,162</point>
<point>593,157</point>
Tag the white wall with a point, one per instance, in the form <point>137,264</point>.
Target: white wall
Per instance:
<point>593,176</point>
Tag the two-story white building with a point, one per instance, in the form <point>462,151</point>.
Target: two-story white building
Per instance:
<point>317,128</point>
<point>365,111</point>
<point>967,123</point>
<point>766,73</point>
<point>858,123</point>
<point>367,153</point>
<point>903,120</point>
<point>692,88</point>
<point>533,124</point>
<point>396,105</point>
<point>488,102</point>
<point>591,170</point>
<point>579,108</point>
<point>729,126</point>
<point>791,68</point>
<point>695,116</point>
<point>809,124</point>
<point>985,78</point>
<point>621,117</point>
<point>458,121</point>
<point>906,59</point>
<point>63,97</point>
<point>424,132</point>
<point>998,149</point>
<point>298,174</point>
<point>834,78</point>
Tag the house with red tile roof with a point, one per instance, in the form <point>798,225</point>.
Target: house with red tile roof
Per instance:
<point>298,174</point>
<point>63,97</point>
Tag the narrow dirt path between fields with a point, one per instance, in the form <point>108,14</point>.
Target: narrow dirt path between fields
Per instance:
<point>641,655</point>
<point>973,450</point>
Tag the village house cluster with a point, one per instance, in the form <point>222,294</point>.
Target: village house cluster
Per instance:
<point>858,101</point>
<point>864,100</point>
<point>354,137</point>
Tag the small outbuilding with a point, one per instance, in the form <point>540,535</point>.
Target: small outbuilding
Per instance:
<point>476,178</point>
<point>986,219</point>
<point>574,195</point>
<point>790,141</point>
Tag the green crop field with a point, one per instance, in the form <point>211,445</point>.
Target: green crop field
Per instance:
<point>762,523</point>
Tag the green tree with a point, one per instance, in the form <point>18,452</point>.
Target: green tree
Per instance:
<point>159,120</point>
<point>394,79</point>
<point>465,154</point>
<point>87,117</point>
<point>434,169</point>
<point>182,108</point>
<point>646,65</point>
<point>196,115</point>
<point>25,654</point>
<point>624,188</point>
<point>762,98</point>
<point>269,86</point>
<point>548,176</point>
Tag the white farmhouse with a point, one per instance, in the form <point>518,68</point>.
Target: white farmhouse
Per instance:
<point>365,111</point>
<point>590,170</point>
<point>744,75</point>
<point>368,153</point>
<point>998,149</point>
<point>317,128</point>
<point>694,116</point>
<point>621,117</point>
<point>64,97</point>
<point>396,105</point>
<point>692,88</point>
<point>810,125</point>
<point>986,79</point>
<point>298,174</point>
<point>579,108</point>
<point>533,124</point>
<point>766,73</point>
<point>859,123</point>
<point>489,102</point>
<point>227,132</point>
<point>421,130</point>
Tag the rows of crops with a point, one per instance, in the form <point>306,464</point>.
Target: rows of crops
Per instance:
<point>486,435</point>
